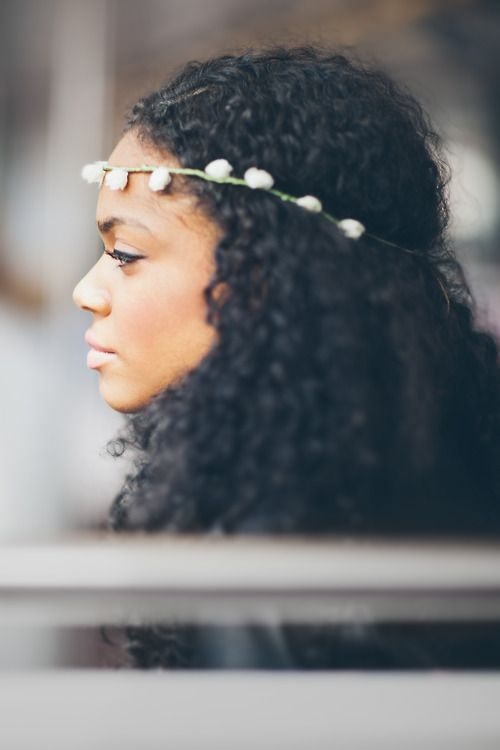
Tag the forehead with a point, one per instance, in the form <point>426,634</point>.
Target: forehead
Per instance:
<point>130,151</point>
<point>137,199</point>
<point>160,212</point>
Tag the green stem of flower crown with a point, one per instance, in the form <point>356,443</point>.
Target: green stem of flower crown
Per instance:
<point>284,197</point>
<point>222,181</point>
<point>239,181</point>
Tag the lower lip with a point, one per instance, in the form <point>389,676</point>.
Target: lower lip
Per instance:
<point>96,359</point>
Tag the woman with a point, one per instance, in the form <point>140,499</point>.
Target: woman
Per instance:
<point>284,373</point>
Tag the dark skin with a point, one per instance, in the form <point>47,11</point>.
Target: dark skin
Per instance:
<point>145,292</point>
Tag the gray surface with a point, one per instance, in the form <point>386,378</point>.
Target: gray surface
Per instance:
<point>245,711</point>
<point>113,580</point>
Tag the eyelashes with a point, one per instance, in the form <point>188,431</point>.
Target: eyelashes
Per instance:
<point>124,259</point>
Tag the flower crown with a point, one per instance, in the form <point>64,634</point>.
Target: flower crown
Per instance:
<point>219,171</point>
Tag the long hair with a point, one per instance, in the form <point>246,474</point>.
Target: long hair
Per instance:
<point>348,390</point>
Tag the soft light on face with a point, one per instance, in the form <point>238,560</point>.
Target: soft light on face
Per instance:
<point>145,293</point>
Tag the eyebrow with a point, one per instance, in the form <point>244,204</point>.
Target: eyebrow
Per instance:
<point>106,225</point>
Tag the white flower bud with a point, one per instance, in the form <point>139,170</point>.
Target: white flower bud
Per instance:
<point>116,179</point>
<point>258,178</point>
<point>93,172</point>
<point>351,228</point>
<point>159,179</point>
<point>219,169</point>
<point>310,203</point>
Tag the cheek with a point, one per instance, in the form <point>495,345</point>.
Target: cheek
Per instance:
<point>162,317</point>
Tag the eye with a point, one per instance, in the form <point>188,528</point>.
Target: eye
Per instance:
<point>123,258</point>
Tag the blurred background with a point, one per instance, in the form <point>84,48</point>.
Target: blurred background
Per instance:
<point>68,71</point>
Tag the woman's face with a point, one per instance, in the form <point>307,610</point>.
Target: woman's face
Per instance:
<point>147,305</point>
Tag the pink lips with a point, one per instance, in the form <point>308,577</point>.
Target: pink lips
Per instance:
<point>98,355</point>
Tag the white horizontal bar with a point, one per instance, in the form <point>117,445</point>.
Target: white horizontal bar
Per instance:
<point>120,579</point>
<point>292,711</point>
<point>171,562</point>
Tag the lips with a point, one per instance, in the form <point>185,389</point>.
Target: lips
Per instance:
<point>98,355</point>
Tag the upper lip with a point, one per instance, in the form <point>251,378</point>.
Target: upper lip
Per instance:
<point>91,341</point>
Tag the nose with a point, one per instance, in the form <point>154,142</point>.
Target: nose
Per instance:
<point>90,294</point>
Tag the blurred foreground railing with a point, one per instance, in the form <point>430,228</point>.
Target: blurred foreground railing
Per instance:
<point>119,579</point>
<point>215,580</point>
<point>248,711</point>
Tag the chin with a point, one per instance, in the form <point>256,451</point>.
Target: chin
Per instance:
<point>124,403</point>
<point>128,397</point>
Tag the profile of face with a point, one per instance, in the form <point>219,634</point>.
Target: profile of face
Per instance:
<point>145,293</point>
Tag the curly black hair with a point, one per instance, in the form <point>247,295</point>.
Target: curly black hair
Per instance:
<point>348,390</point>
